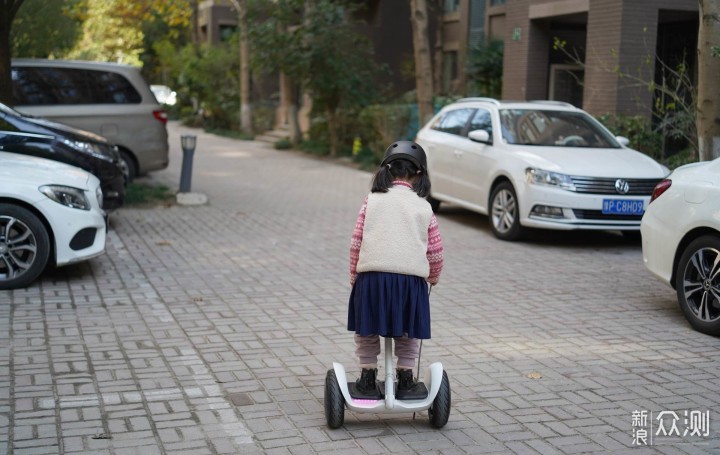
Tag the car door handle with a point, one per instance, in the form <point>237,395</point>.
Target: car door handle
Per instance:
<point>458,154</point>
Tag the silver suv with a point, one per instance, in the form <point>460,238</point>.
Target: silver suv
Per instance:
<point>108,99</point>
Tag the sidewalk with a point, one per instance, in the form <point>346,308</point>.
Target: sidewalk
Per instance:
<point>209,330</point>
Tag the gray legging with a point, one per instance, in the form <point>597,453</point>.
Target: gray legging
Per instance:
<point>367,349</point>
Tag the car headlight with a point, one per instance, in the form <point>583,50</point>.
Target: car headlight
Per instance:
<point>67,196</point>
<point>543,177</point>
<point>99,196</point>
<point>90,148</point>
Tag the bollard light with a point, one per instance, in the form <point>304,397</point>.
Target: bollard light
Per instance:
<point>188,142</point>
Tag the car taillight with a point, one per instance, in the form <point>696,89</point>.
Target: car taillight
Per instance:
<point>160,115</point>
<point>659,189</point>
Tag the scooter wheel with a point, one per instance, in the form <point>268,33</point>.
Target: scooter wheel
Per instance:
<point>439,412</point>
<point>334,401</point>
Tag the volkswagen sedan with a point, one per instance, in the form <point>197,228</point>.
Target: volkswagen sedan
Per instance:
<point>537,164</point>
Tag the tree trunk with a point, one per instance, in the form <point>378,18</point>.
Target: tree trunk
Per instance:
<point>438,58</point>
<point>708,107</point>
<point>8,9</point>
<point>245,106</point>
<point>244,49</point>
<point>332,131</point>
<point>423,59</point>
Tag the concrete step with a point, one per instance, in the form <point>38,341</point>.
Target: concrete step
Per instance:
<point>274,135</point>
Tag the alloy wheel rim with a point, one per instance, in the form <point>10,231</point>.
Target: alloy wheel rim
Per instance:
<point>701,284</point>
<point>503,211</point>
<point>18,248</point>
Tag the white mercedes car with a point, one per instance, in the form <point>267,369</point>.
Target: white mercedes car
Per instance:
<point>537,164</point>
<point>50,213</point>
<point>681,240</point>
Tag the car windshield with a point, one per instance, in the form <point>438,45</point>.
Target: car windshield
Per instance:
<point>553,128</point>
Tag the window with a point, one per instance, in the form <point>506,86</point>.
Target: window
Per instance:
<point>553,128</point>
<point>36,86</point>
<point>450,6</point>
<point>450,70</point>
<point>497,2</point>
<point>226,32</point>
<point>482,120</point>
<point>453,122</point>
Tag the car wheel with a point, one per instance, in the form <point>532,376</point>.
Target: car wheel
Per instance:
<point>129,168</point>
<point>697,281</point>
<point>434,204</point>
<point>24,246</point>
<point>505,213</point>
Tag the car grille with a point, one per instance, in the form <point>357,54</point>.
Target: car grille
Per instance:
<point>594,185</point>
<point>598,215</point>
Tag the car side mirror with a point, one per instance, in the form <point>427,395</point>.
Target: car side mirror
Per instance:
<point>481,136</point>
<point>623,140</point>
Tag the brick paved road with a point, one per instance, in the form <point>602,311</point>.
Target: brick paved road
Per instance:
<point>210,329</point>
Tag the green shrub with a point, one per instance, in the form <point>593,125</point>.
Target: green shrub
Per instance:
<point>638,130</point>
<point>283,144</point>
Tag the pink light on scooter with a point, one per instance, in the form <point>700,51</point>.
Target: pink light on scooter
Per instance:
<point>365,402</point>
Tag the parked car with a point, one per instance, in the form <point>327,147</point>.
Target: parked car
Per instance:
<point>50,213</point>
<point>46,139</point>
<point>681,240</point>
<point>538,164</point>
<point>164,94</point>
<point>108,99</point>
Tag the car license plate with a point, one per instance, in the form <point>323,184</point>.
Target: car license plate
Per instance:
<point>623,207</point>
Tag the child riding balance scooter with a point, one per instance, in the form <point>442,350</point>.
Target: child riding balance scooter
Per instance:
<point>396,251</point>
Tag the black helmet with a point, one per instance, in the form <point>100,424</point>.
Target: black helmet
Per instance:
<point>406,150</point>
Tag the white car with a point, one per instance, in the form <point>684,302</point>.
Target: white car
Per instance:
<point>537,164</point>
<point>681,240</point>
<point>50,212</point>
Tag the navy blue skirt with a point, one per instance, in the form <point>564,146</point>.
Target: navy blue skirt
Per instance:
<point>389,305</point>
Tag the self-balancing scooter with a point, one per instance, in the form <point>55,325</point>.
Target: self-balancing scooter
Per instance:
<point>435,398</point>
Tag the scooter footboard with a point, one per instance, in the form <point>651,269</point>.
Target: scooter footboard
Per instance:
<point>433,379</point>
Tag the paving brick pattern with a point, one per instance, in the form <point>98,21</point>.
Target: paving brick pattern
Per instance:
<point>208,330</point>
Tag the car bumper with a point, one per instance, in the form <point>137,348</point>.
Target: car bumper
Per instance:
<point>113,193</point>
<point>570,210</point>
<point>661,235</point>
<point>77,234</point>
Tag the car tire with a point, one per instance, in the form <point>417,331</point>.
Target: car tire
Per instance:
<point>697,282</point>
<point>434,204</point>
<point>24,246</point>
<point>504,213</point>
<point>129,167</point>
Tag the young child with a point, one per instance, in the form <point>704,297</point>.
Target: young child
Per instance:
<point>396,251</point>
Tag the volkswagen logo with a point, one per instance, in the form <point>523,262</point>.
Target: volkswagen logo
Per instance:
<point>622,186</point>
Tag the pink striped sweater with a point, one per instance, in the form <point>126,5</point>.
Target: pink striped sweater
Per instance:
<point>434,252</point>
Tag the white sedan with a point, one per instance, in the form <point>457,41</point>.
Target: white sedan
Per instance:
<point>681,240</point>
<point>537,164</point>
<point>50,213</point>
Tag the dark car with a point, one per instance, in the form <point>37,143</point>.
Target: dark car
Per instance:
<point>45,139</point>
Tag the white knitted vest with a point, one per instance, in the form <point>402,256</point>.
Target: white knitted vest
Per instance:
<point>395,234</point>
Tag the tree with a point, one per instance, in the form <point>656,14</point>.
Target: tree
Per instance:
<point>317,47</point>
<point>423,59</point>
<point>43,29</point>
<point>708,90</point>
<point>8,10</point>
<point>108,35</point>
<point>485,68</point>
<point>245,107</point>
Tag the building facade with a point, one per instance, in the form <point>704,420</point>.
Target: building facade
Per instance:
<point>591,53</point>
<point>607,48</point>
